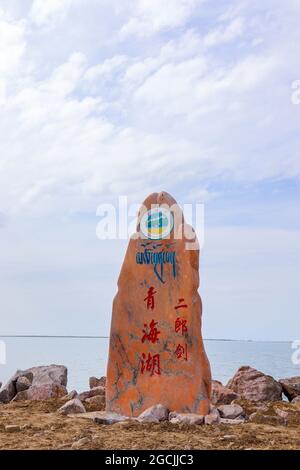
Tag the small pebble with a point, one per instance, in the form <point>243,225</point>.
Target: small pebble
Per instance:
<point>82,442</point>
<point>12,428</point>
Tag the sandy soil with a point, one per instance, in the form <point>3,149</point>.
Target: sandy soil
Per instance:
<point>41,427</point>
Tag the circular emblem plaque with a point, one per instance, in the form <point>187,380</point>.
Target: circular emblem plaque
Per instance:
<point>157,223</point>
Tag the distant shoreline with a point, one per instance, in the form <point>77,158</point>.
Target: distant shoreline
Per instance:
<point>107,337</point>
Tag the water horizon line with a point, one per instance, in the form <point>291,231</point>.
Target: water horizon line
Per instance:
<point>107,337</point>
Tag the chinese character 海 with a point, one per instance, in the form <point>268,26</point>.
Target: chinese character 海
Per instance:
<point>181,326</point>
<point>151,334</point>
<point>150,364</point>
<point>181,304</point>
<point>181,352</point>
<point>150,298</point>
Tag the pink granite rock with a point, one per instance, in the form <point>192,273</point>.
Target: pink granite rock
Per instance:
<point>92,393</point>
<point>97,402</point>
<point>185,418</point>
<point>232,411</point>
<point>255,385</point>
<point>232,421</point>
<point>42,392</point>
<point>291,387</point>
<point>44,377</point>
<point>23,383</point>
<point>72,407</point>
<point>296,400</point>
<point>221,395</point>
<point>94,382</point>
<point>155,413</point>
<point>213,417</point>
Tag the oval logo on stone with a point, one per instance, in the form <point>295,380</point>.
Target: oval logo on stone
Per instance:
<point>157,223</point>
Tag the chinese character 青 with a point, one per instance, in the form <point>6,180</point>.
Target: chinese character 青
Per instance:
<point>150,298</point>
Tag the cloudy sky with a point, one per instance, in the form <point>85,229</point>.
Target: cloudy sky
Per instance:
<point>101,98</point>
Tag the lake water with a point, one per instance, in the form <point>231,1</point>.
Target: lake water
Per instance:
<point>85,357</point>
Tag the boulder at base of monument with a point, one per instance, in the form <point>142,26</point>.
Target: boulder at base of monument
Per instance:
<point>36,383</point>
<point>221,395</point>
<point>254,385</point>
<point>291,387</point>
<point>156,352</point>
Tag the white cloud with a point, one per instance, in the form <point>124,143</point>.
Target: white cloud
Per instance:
<point>171,87</point>
<point>190,87</point>
<point>152,16</point>
<point>188,45</point>
<point>46,100</point>
<point>12,45</point>
<point>106,68</point>
<point>84,117</point>
<point>180,110</point>
<point>226,33</point>
<point>43,11</point>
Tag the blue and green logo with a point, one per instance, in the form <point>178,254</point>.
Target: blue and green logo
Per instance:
<point>157,223</point>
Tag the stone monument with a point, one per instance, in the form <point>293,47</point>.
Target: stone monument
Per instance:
<point>156,351</point>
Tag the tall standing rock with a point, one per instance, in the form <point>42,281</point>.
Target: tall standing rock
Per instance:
<point>156,352</point>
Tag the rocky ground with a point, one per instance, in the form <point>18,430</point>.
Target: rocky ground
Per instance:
<point>38,425</point>
<point>253,411</point>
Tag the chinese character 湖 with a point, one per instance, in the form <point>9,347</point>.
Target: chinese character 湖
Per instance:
<point>150,364</point>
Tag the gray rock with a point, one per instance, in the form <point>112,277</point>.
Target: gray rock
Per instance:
<point>22,383</point>
<point>109,417</point>
<point>214,411</point>
<point>97,402</point>
<point>94,382</point>
<point>81,443</point>
<point>232,411</point>
<point>221,395</point>
<point>291,387</point>
<point>49,374</point>
<point>12,428</point>
<point>42,392</point>
<point>154,414</point>
<point>185,418</point>
<point>232,421</point>
<point>282,413</point>
<point>38,376</point>
<point>255,385</point>
<point>213,417</point>
<point>8,391</point>
<point>70,396</point>
<point>92,393</point>
<point>296,400</point>
<point>72,407</point>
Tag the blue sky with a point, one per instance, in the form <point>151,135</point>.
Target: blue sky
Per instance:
<point>100,98</point>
